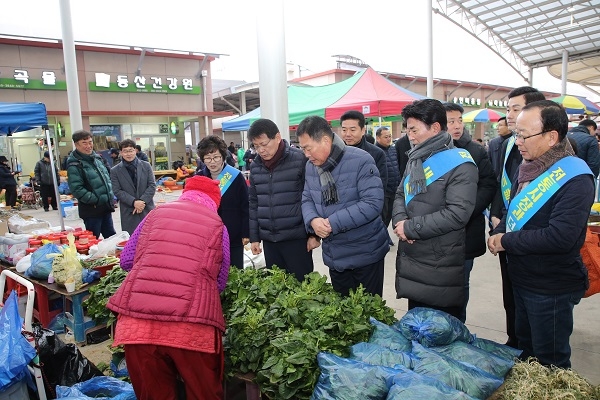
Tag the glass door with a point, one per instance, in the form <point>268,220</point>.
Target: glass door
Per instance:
<point>157,149</point>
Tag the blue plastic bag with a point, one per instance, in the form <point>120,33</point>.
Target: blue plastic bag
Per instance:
<point>471,380</point>
<point>414,386</point>
<point>469,354</point>
<point>15,350</point>
<point>432,327</point>
<point>344,379</point>
<point>500,350</point>
<point>99,387</point>
<point>378,355</point>
<point>41,265</point>
<point>386,336</point>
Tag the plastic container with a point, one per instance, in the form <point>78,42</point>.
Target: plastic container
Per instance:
<point>35,243</point>
<point>65,204</point>
<point>82,248</point>
<point>84,239</point>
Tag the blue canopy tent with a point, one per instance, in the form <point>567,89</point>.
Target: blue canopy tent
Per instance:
<point>18,117</point>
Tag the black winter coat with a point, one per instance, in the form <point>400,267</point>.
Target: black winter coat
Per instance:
<point>379,157</point>
<point>391,162</point>
<point>512,169</point>
<point>6,176</point>
<point>402,147</point>
<point>475,244</point>
<point>275,198</point>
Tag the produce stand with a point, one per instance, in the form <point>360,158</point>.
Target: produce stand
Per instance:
<point>167,173</point>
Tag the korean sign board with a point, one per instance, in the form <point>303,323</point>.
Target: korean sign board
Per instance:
<point>22,80</point>
<point>141,84</point>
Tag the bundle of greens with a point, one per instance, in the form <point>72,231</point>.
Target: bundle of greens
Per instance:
<point>100,293</point>
<point>276,326</point>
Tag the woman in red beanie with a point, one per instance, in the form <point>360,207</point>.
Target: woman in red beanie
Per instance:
<point>170,316</point>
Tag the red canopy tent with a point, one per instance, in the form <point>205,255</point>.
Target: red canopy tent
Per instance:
<point>374,96</point>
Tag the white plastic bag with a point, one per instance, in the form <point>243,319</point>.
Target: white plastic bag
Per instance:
<point>24,263</point>
<point>253,261</point>
<point>108,246</point>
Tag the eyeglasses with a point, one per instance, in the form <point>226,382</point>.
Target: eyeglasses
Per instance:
<point>524,138</point>
<point>127,151</point>
<point>213,159</point>
<point>257,147</point>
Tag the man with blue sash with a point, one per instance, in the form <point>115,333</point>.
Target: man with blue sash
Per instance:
<point>433,205</point>
<point>543,231</point>
<point>234,208</point>
<point>509,161</point>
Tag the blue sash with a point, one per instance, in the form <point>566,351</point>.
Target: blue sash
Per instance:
<point>528,202</point>
<point>505,183</point>
<point>437,166</point>
<point>227,175</point>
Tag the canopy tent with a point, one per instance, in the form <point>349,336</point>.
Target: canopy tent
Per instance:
<point>17,117</point>
<point>366,91</point>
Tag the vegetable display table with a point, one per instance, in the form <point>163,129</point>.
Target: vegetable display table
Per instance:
<point>75,321</point>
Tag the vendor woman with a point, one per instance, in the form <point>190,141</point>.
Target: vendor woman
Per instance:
<point>234,209</point>
<point>170,316</point>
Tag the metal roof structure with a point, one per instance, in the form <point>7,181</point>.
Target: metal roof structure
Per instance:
<point>530,34</point>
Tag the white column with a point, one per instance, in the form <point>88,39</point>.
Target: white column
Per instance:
<point>565,65</point>
<point>429,50</point>
<point>70,66</point>
<point>270,34</point>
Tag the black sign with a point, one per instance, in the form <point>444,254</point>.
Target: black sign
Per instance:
<point>163,128</point>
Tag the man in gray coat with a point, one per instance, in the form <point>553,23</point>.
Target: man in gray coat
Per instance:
<point>432,207</point>
<point>133,184</point>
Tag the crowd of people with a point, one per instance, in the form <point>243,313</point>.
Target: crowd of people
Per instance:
<point>341,192</point>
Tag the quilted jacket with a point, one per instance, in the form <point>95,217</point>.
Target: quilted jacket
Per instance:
<point>174,279</point>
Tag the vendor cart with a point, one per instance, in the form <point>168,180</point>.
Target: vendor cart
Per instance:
<point>35,370</point>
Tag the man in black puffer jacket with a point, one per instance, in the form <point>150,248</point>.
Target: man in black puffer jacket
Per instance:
<point>275,197</point>
<point>475,244</point>
<point>587,145</point>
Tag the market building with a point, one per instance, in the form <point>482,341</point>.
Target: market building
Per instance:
<point>149,95</point>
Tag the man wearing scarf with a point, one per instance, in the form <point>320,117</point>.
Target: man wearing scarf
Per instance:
<point>543,231</point>
<point>433,204</point>
<point>275,193</point>
<point>342,203</point>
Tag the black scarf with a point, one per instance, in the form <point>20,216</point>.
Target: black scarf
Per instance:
<point>131,168</point>
<point>329,193</point>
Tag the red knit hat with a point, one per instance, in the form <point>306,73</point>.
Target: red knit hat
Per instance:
<point>205,185</point>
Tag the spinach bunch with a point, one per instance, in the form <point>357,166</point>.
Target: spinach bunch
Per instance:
<point>276,326</point>
<point>100,293</point>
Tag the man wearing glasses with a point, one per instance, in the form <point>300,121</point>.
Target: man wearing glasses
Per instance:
<point>510,159</point>
<point>543,231</point>
<point>276,185</point>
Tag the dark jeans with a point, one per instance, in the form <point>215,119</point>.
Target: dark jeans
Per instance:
<point>370,276</point>
<point>508,299</point>
<point>544,323</point>
<point>290,255</point>
<point>10,196</point>
<point>468,268</point>
<point>100,225</point>
<point>45,192</point>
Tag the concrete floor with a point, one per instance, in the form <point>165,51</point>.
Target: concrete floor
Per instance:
<point>485,313</point>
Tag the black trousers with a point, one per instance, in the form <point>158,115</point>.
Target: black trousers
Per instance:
<point>45,192</point>
<point>10,196</point>
<point>388,205</point>
<point>508,299</point>
<point>237,256</point>
<point>370,276</point>
<point>290,255</point>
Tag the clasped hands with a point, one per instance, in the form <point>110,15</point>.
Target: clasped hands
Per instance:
<point>321,227</point>
<point>138,206</point>
<point>495,243</point>
<point>399,231</point>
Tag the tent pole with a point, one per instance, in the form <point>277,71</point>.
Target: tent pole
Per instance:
<point>54,177</point>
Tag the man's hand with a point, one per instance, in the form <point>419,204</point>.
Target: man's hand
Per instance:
<point>255,246</point>
<point>399,231</point>
<point>495,222</point>
<point>138,206</point>
<point>495,243</point>
<point>312,243</point>
<point>321,227</point>
<point>245,241</point>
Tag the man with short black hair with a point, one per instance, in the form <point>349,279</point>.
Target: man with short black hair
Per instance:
<point>384,142</point>
<point>587,145</point>
<point>495,145</point>
<point>486,189</point>
<point>140,154</point>
<point>89,182</point>
<point>431,211</point>
<point>353,134</point>
<point>542,241</point>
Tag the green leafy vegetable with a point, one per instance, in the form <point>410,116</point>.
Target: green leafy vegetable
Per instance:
<point>100,293</point>
<point>276,326</point>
